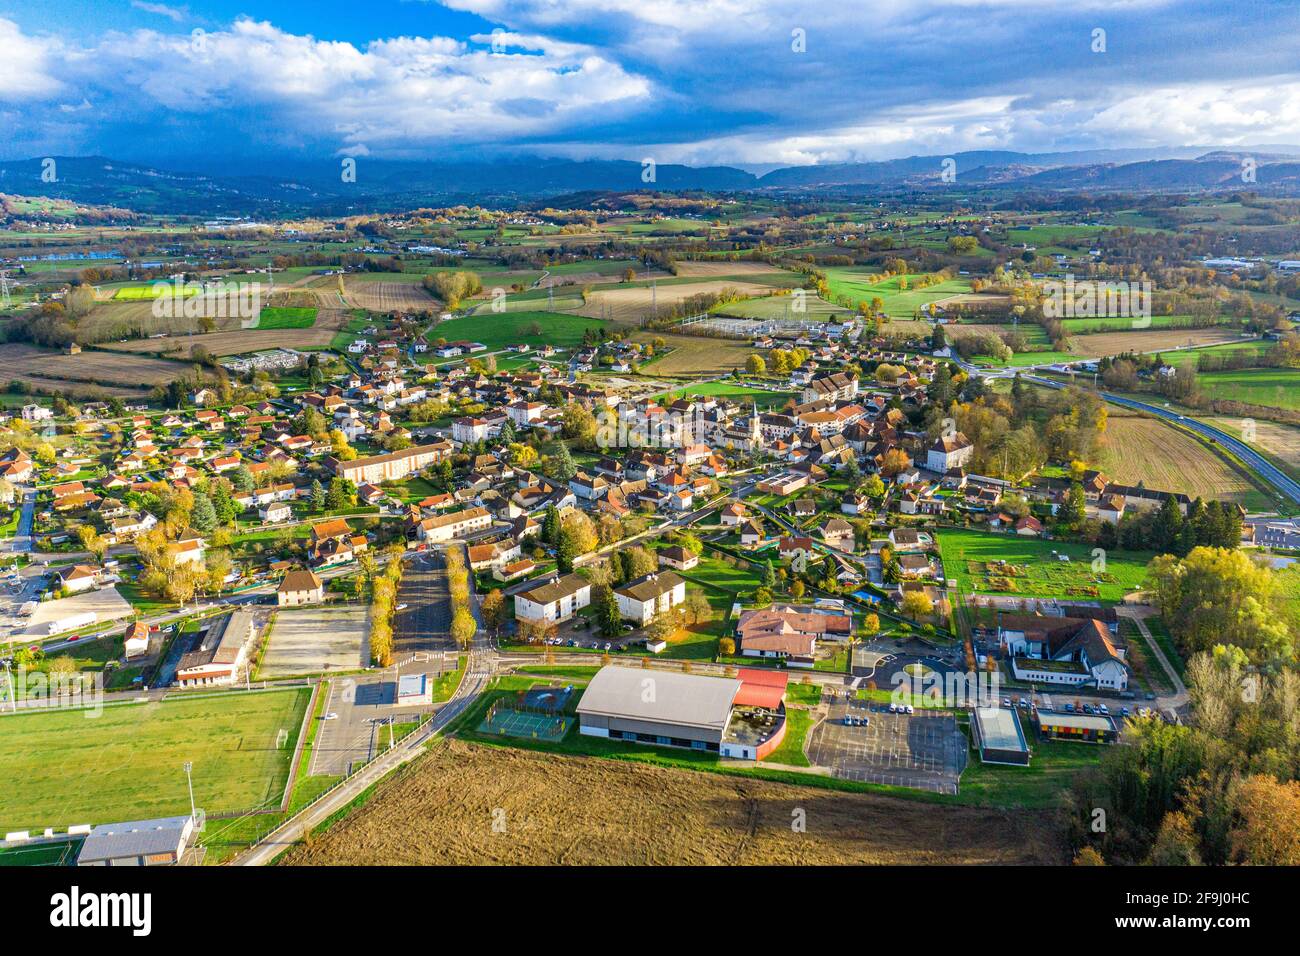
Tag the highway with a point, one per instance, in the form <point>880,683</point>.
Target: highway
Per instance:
<point>1286,486</point>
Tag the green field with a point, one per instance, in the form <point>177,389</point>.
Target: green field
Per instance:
<point>852,281</point>
<point>968,558</point>
<point>498,330</point>
<point>137,293</point>
<point>63,768</point>
<point>733,392</point>
<point>1279,387</point>
<point>277,317</point>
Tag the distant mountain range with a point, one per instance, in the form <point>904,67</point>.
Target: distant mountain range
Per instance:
<point>296,186</point>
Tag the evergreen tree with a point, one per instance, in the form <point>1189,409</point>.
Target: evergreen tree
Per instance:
<point>1167,527</point>
<point>317,498</point>
<point>607,614</point>
<point>551,525</point>
<point>562,466</point>
<point>203,517</point>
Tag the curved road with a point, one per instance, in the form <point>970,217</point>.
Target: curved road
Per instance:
<point>1286,486</point>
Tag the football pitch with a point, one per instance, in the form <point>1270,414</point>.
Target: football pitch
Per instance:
<point>62,768</point>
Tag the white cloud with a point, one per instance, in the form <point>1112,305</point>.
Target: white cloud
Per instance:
<point>406,92</point>
<point>161,9</point>
<point>27,65</point>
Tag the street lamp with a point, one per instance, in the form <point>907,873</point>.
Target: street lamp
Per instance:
<point>187,767</point>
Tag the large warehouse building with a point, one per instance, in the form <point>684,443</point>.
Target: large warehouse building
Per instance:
<point>742,717</point>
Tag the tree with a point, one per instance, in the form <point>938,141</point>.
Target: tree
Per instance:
<point>564,554</point>
<point>916,604</point>
<point>493,609</point>
<point>562,466</point>
<point>93,541</point>
<point>317,495</point>
<point>551,525</point>
<point>696,606</point>
<point>1268,833</point>
<point>203,517</point>
<point>580,531</point>
<point>607,613</point>
<point>463,627</point>
<point>894,462</point>
<point>1073,510</point>
<point>1220,596</point>
<point>726,647</point>
<point>755,365</point>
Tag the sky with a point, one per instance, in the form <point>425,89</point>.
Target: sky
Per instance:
<point>755,83</point>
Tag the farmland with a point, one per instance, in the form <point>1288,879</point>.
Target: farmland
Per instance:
<point>499,330</point>
<point>634,303</point>
<point>984,563</point>
<point>286,318</point>
<point>1140,448</point>
<point>1278,387</point>
<point>87,373</point>
<point>62,768</point>
<point>899,303</point>
<point>586,810</point>
<point>692,355</point>
<point>1149,340</point>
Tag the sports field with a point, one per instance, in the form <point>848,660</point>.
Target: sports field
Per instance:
<point>982,563</point>
<point>63,768</point>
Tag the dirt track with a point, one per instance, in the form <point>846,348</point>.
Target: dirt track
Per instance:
<point>582,811</point>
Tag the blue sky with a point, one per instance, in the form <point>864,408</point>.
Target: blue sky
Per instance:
<point>675,80</point>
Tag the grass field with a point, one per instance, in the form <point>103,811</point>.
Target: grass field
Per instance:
<point>733,392</point>
<point>695,355</point>
<point>1140,448</point>
<point>969,561</point>
<point>1279,387</point>
<point>279,317</point>
<point>497,330</point>
<point>852,281</point>
<point>62,768</point>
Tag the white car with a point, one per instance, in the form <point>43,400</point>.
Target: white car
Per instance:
<point>330,716</point>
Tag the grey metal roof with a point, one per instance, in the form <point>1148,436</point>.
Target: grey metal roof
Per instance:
<point>999,729</point>
<point>111,841</point>
<point>662,696</point>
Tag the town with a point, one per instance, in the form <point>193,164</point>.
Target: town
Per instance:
<point>629,513</point>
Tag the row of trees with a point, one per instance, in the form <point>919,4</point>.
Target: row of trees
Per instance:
<point>383,605</point>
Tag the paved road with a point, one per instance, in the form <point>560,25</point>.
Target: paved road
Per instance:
<point>477,675</point>
<point>1260,465</point>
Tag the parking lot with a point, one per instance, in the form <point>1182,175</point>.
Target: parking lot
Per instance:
<point>925,751</point>
<point>423,620</point>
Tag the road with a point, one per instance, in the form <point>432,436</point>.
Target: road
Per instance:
<point>477,674</point>
<point>1258,463</point>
